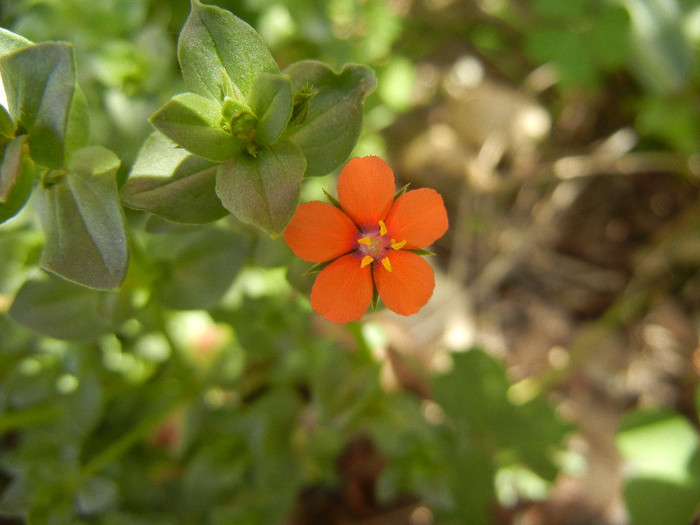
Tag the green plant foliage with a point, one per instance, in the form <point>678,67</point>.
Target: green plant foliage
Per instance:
<point>197,269</point>
<point>474,398</point>
<point>194,123</point>
<point>338,98</point>
<point>39,82</point>
<point>173,184</point>
<point>83,221</point>
<point>159,359</point>
<point>263,190</point>
<point>271,100</point>
<point>16,177</point>
<point>245,115</point>
<point>215,41</point>
<point>57,308</point>
<point>663,456</point>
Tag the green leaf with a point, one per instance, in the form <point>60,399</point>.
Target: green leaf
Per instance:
<point>10,41</point>
<point>200,267</point>
<point>173,184</point>
<point>662,55</point>
<point>7,126</point>
<point>78,125</point>
<point>215,41</point>
<point>263,190</point>
<point>569,53</point>
<point>194,123</point>
<point>661,451</point>
<point>39,83</point>
<point>62,310</point>
<point>271,101</point>
<point>334,118</point>
<point>83,221</point>
<point>16,177</point>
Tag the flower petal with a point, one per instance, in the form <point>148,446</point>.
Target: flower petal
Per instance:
<point>409,284</point>
<point>319,232</point>
<point>417,217</point>
<point>366,190</point>
<point>343,290</point>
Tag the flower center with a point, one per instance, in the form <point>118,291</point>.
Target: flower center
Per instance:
<point>373,244</point>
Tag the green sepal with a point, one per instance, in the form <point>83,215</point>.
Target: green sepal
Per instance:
<point>39,82</point>
<point>401,191</point>
<point>263,190</point>
<point>271,101</point>
<point>194,123</point>
<point>422,252</point>
<point>173,184</point>
<point>332,200</point>
<point>317,268</point>
<point>333,121</point>
<point>215,41</point>
<point>16,177</point>
<point>375,299</point>
<point>83,221</point>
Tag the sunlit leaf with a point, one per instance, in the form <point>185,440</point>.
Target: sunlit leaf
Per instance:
<point>10,41</point>
<point>271,101</point>
<point>661,450</point>
<point>194,123</point>
<point>215,41</point>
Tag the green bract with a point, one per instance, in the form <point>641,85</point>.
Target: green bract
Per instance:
<point>262,129</point>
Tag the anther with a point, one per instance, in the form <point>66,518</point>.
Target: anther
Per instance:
<point>365,240</point>
<point>366,260</point>
<point>382,228</point>
<point>386,264</point>
<point>397,245</point>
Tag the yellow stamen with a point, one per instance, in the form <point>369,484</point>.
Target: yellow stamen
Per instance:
<point>386,264</point>
<point>366,260</point>
<point>365,240</point>
<point>382,228</point>
<point>397,245</point>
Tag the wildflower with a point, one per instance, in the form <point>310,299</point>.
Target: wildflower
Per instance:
<point>369,240</point>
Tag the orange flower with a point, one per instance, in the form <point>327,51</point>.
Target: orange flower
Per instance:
<point>369,240</point>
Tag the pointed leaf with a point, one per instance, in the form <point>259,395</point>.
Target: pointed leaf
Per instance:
<point>173,184</point>
<point>16,177</point>
<point>83,221</point>
<point>78,125</point>
<point>271,101</point>
<point>63,310</point>
<point>334,118</point>
<point>39,82</point>
<point>263,190</point>
<point>215,41</point>
<point>10,41</point>
<point>7,127</point>
<point>194,123</point>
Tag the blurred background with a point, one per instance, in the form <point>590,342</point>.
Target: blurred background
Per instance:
<point>552,378</point>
